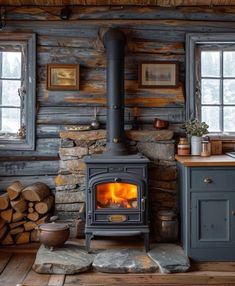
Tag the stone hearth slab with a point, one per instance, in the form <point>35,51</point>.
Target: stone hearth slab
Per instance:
<point>69,259</point>
<point>124,261</point>
<point>170,258</point>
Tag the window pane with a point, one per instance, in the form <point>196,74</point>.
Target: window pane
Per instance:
<point>210,63</point>
<point>210,91</point>
<point>229,64</point>
<point>10,92</point>
<point>229,91</point>
<point>11,65</point>
<point>229,119</point>
<point>211,115</point>
<point>10,119</point>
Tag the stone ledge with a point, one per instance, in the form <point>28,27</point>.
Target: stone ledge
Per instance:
<point>135,135</point>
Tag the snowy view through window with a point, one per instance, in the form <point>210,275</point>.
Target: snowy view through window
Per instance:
<point>10,82</point>
<point>218,90</point>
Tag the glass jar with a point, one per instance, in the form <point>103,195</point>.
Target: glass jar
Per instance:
<point>183,147</point>
<point>167,225</point>
<point>206,148</point>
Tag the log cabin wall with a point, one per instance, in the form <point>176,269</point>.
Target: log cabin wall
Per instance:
<point>153,33</point>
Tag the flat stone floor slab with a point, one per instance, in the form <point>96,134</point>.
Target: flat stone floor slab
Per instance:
<point>124,261</point>
<point>169,257</point>
<point>69,259</point>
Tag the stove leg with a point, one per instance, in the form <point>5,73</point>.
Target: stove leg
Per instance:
<point>89,236</point>
<point>146,241</point>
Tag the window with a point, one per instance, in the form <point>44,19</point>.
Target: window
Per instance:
<point>210,80</point>
<point>17,91</point>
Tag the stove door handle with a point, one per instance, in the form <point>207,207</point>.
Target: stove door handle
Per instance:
<point>143,204</point>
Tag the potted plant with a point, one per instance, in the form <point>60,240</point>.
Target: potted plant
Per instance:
<point>196,130</point>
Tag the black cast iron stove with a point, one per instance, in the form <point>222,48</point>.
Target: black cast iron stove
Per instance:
<point>116,182</point>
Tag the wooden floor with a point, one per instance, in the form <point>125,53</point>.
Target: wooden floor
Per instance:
<point>16,263</point>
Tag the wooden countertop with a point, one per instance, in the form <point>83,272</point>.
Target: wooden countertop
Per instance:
<point>198,161</point>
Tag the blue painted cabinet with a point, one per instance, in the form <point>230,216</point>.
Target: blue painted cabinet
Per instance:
<point>207,212</point>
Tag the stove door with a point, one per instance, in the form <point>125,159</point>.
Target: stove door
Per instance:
<point>116,199</point>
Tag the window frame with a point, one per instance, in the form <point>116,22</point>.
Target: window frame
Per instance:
<point>29,110</point>
<point>192,94</point>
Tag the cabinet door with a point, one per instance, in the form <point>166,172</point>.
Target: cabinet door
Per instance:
<point>212,222</point>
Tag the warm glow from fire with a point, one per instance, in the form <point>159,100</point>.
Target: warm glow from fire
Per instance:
<point>116,195</point>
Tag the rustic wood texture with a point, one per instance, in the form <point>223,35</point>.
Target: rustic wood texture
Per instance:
<point>162,3</point>
<point>15,270</point>
<point>4,201</point>
<point>14,190</point>
<point>36,192</point>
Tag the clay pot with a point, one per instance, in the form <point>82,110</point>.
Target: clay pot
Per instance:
<point>53,234</point>
<point>160,124</point>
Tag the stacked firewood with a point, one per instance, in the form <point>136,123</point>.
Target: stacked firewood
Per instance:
<point>22,210</point>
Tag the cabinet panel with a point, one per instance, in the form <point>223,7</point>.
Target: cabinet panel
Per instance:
<point>211,219</point>
<point>216,179</point>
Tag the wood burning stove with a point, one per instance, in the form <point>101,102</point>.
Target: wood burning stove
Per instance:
<point>116,182</point>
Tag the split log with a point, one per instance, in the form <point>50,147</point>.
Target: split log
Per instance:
<point>16,230</point>
<point>36,192</point>
<point>7,215</point>
<point>3,232</point>
<point>34,236</point>
<point>14,190</point>
<point>44,206</point>
<point>8,240</point>
<point>19,205</point>
<point>2,222</point>
<point>17,216</point>
<point>16,224</point>
<point>43,219</point>
<point>30,225</point>
<point>22,238</point>
<point>4,201</point>
<point>31,205</point>
<point>33,216</point>
<point>30,210</point>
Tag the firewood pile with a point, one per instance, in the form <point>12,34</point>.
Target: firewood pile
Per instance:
<point>22,209</point>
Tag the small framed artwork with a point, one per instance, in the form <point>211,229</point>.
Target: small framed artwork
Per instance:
<point>62,77</point>
<point>158,74</point>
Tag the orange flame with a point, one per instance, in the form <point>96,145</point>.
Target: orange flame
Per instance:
<point>116,195</point>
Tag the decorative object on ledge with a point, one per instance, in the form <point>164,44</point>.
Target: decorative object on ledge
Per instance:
<point>95,124</point>
<point>62,77</point>
<point>160,124</point>
<point>158,74</point>
<point>196,129</point>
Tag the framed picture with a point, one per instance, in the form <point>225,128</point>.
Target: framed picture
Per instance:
<point>158,74</point>
<point>62,77</point>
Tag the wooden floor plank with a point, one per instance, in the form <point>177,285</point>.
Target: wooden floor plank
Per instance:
<point>4,259</point>
<point>17,269</point>
<point>36,279</point>
<point>56,280</point>
<point>192,278</point>
<point>213,266</point>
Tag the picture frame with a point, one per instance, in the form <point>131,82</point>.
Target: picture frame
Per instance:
<point>158,74</point>
<point>63,77</point>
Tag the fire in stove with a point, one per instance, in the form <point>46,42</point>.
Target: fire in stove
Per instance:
<point>116,195</point>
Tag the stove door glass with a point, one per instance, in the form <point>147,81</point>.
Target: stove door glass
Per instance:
<point>116,196</point>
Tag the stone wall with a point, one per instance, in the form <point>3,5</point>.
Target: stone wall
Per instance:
<point>158,146</point>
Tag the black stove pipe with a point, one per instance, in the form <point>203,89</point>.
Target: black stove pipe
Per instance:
<point>114,42</point>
